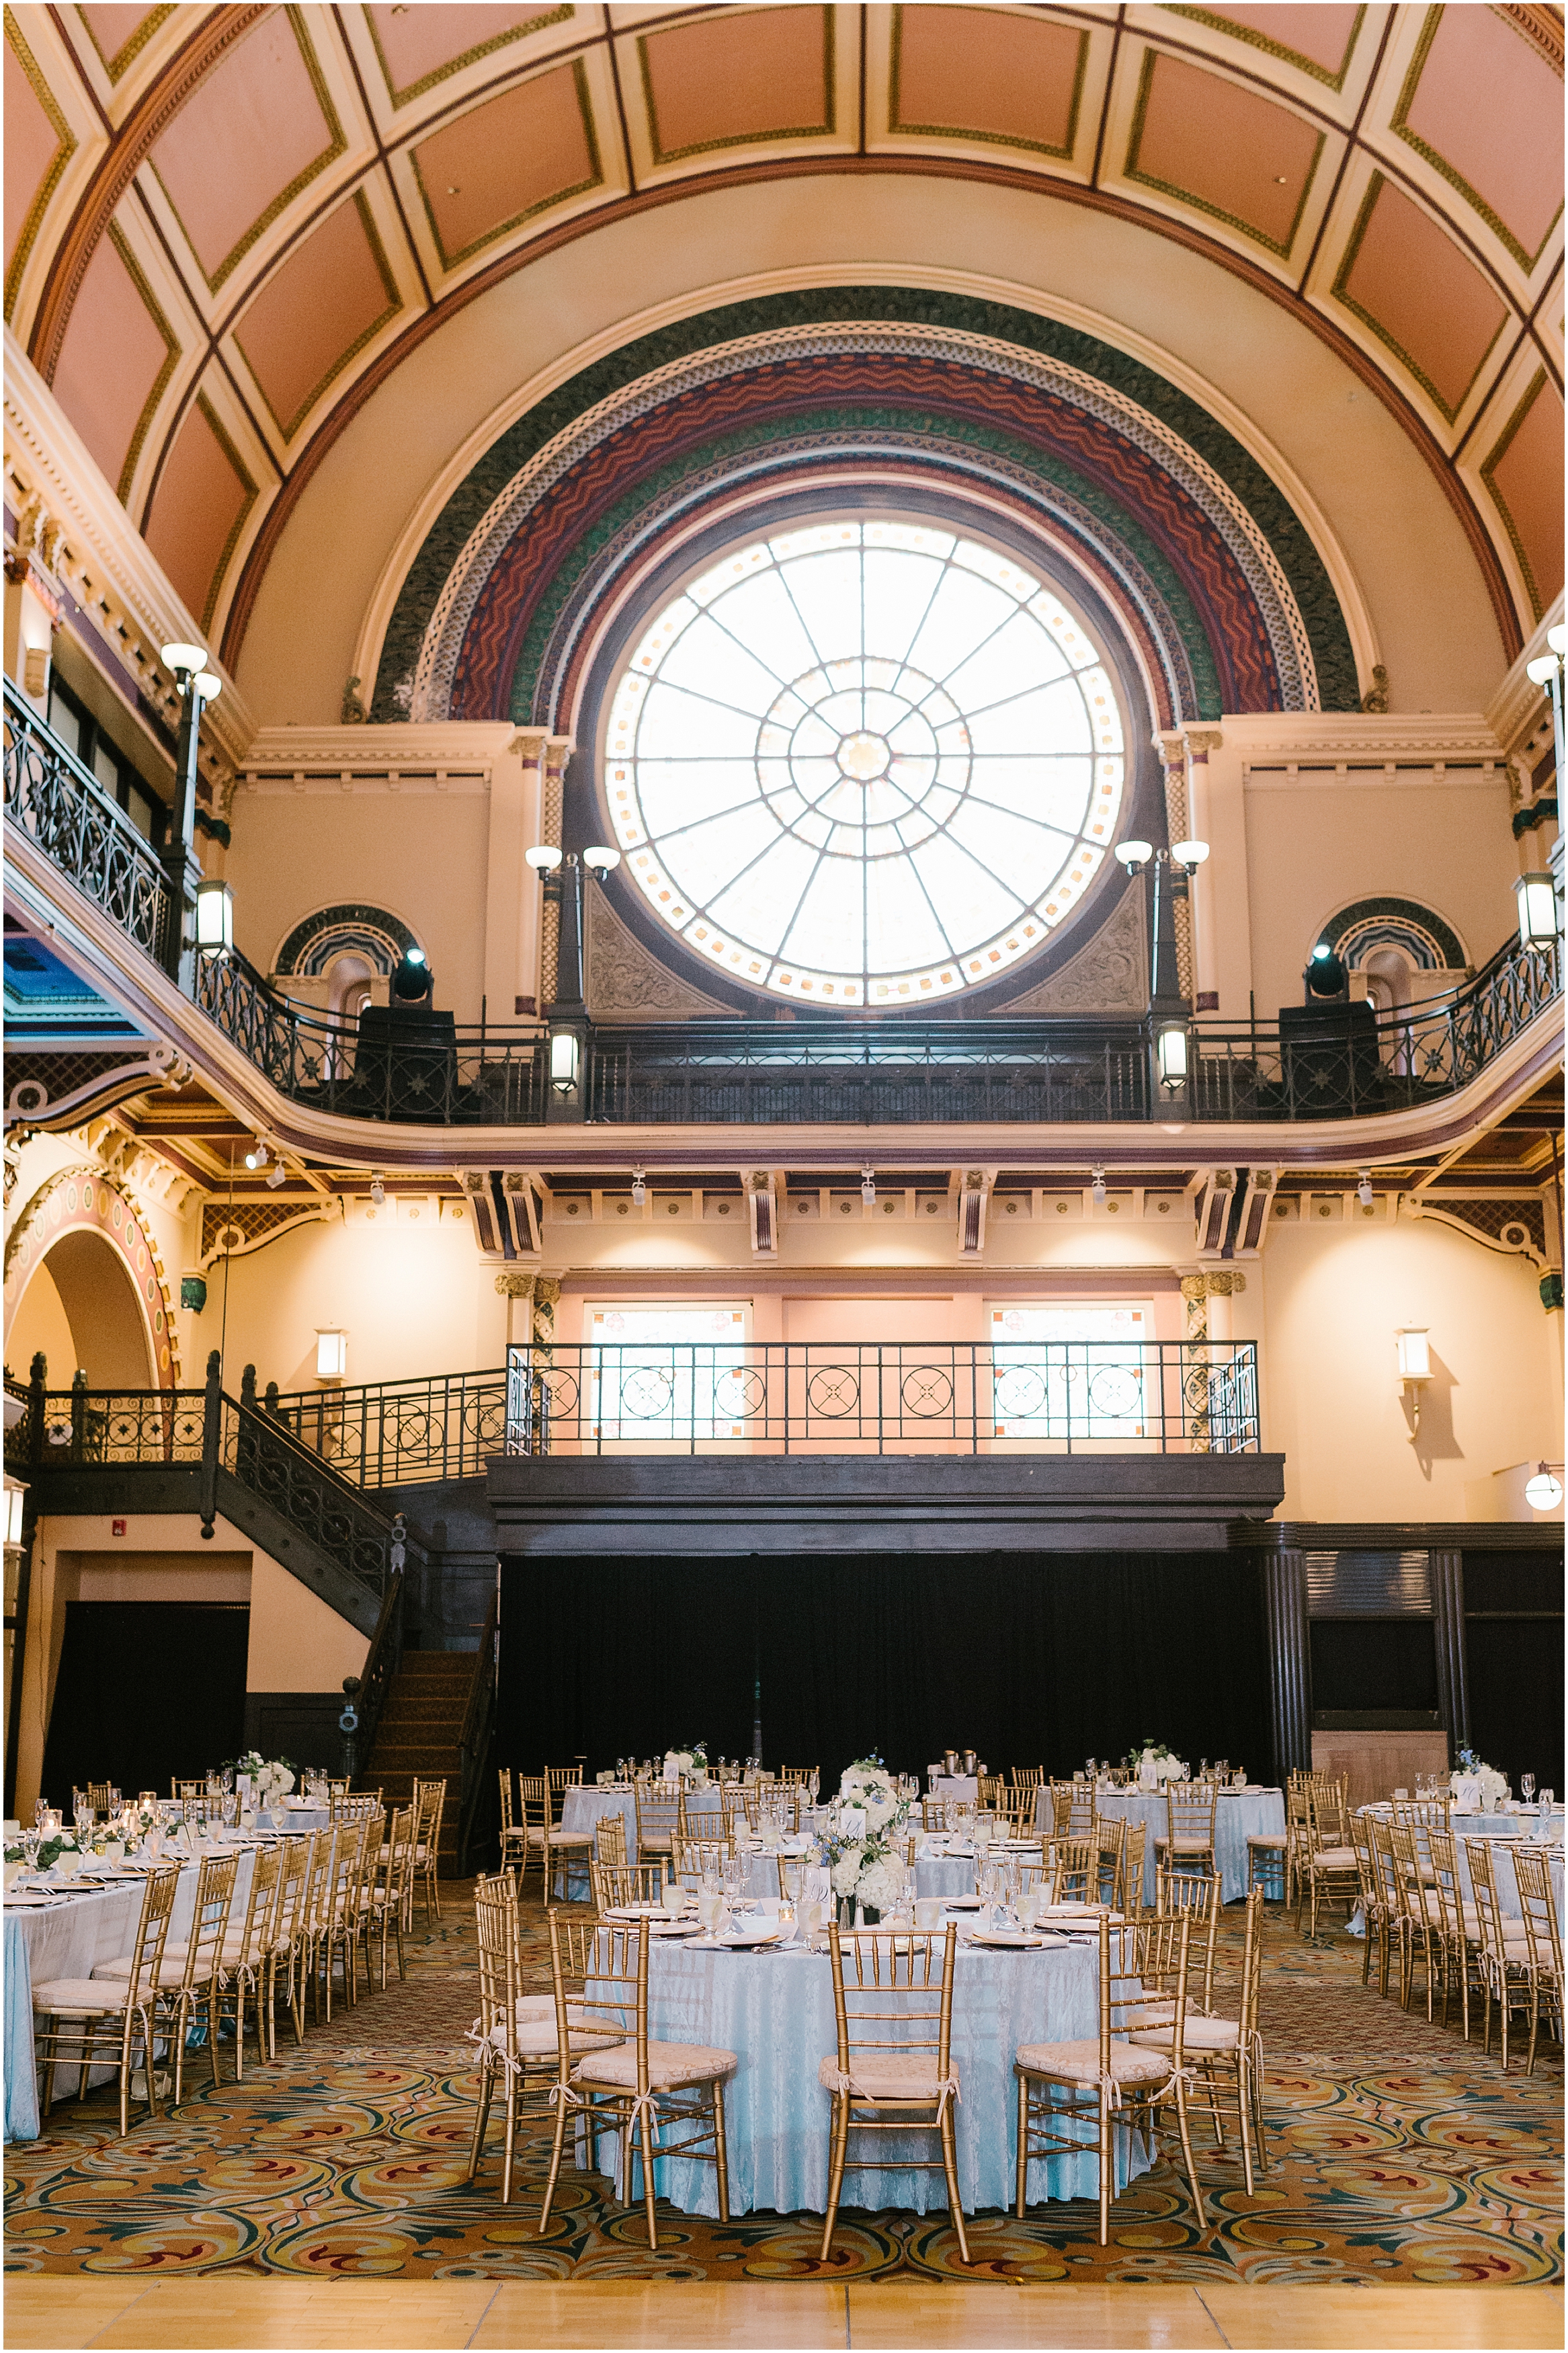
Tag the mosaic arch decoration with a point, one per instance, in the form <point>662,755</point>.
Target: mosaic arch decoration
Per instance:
<point>84,1200</point>
<point>1215,575</point>
<point>1357,930</point>
<point>331,931</point>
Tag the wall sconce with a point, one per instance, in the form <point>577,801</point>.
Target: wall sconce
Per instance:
<point>1543,1493</point>
<point>1537,897</point>
<point>15,1494</point>
<point>565,1052</point>
<point>1171,1056</point>
<point>331,1353</point>
<point>214,918</point>
<point>1414,1366</point>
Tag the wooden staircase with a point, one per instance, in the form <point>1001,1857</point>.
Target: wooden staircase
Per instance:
<point>418,1736</point>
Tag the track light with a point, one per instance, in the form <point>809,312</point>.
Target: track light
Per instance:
<point>639,1188</point>
<point>275,1176</point>
<point>1097,1186</point>
<point>1363,1190</point>
<point>257,1156</point>
<point>869,1186</point>
<point>377,1191</point>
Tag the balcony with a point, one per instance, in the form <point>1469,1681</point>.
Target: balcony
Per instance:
<point>893,1072</point>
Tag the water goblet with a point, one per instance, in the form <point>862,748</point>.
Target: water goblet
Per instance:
<point>1527,1785</point>
<point>1546,1800</point>
<point>710,1909</point>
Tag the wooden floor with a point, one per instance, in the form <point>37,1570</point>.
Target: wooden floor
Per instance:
<point>220,2311</point>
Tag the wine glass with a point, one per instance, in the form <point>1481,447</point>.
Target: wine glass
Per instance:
<point>1527,1784</point>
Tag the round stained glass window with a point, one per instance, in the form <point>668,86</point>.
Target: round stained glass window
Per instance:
<point>865,763</point>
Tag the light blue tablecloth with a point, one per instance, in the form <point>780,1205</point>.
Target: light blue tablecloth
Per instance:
<point>774,2011</point>
<point>1240,1814</point>
<point>21,2074</point>
<point>582,1808</point>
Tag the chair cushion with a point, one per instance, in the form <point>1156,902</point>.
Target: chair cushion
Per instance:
<point>1191,1845</point>
<point>669,2064</point>
<point>1333,1858</point>
<point>1269,1839</point>
<point>173,1957</point>
<point>79,1997</point>
<point>1197,2034</point>
<point>888,2076</point>
<point>1078,2063</point>
<point>537,1837</point>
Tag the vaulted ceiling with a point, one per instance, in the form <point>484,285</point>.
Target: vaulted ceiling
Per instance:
<point>225,228</point>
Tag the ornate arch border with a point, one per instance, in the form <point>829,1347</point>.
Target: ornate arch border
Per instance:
<point>1245,510</point>
<point>1417,927</point>
<point>84,1200</point>
<point>333,931</point>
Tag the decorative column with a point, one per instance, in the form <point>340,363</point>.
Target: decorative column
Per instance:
<point>1198,1290</point>
<point>512,888</point>
<point>1289,1661</point>
<point>511,1286</point>
<point>1172,754</point>
<point>1201,961</point>
<point>557,749</point>
<point>1447,1573</point>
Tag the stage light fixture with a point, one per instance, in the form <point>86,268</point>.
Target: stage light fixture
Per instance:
<point>1543,1493</point>
<point>1363,1190</point>
<point>257,1156</point>
<point>377,1191</point>
<point>639,1188</point>
<point>869,1186</point>
<point>1097,1186</point>
<point>275,1176</point>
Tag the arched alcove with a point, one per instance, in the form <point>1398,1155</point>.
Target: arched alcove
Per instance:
<point>80,1309</point>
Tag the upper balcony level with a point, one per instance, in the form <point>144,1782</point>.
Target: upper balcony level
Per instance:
<point>80,869</point>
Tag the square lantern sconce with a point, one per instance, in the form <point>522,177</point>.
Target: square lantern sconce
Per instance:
<point>331,1353</point>
<point>15,1500</point>
<point>1171,1056</point>
<point>1414,1361</point>
<point>566,1056</point>
<point>214,918</point>
<point>1538,917</point>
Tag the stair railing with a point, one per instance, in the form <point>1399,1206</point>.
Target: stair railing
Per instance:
<point>384,1655</point>
<point>474,1740</point>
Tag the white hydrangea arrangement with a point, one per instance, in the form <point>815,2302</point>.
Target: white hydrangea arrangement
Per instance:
<point>686,1764</point>
<point>1156,1765</point>
<point>1476,1788</point>
<point>858,1847</point>
<point>269,1777</point>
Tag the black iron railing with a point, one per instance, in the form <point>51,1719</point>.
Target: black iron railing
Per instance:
<point>1056,1397</point>
<point>1336,1063</point>
<point>61,807</point>
<point>400,1433</point>
<point>206,1431</point>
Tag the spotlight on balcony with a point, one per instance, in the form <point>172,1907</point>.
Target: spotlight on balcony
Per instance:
<point>275,1176</point>
<point>639,1188</point>
<point>868,1187</point>
<point>377,1191</point>
<point>257,1156</point>
<point>412,979</point>
<point>1363,1190</point>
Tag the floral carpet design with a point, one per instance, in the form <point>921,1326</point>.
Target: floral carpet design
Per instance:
<point>1399,2155</point>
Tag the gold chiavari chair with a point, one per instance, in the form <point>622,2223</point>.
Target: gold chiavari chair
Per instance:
<point>553,1846</point>
<point>1211,2043</point>
<point>516,2033</point>
<point>639,2086</point>
<point>1297,1839</point>
<point>78,2020</point>
<point>390,1892</point>
<point>658,1808</point>
<point>610,1838</point>
<point>1027,1776</point>
<point>1188,1843</point>
<point>1075,1869</point>
<point>1422,1934</point>
<point>1424,1814</point>
<point>1391,1901</point>
<point>1505,1945</point>
<point>1375,1912</point>
<point>1116,1843</point>
<point>1544,1941</point>
<point>287,1928</point>
<point>1109,2084</point>
<point>740,1805</point>
<point>315,1913</point>
<point>798,1775</point>
<point>1072,1810</point>
<point>933,1813</point>
<point>790,1867</point>
<point>1460,1927</point>
<point>893,2009</point>
<point>1326,1866</point>
<point>430,1797</point>
<point>1203,1900</point>
<point>243,1977</point>
<point>618,1885</point>
<point>562,1777</point>
<point>340,1914</point>
<point>991,1790</point>
<point>696,1856</point>
<point>513,1833</point>
<point>182,1792</point>
<point>199,1980</point>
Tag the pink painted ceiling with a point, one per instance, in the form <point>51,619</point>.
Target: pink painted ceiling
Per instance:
<point>1489,107</point>
<point>31,145</point>
<point>1319,35</point>
<point>732,78</point>
<point>504,161</point>
<point>112,356</point>
<point>200,500</point>
<point>977,70</point>
<point>1229,149</point>
<point>419,44</point>
<point>1410,282</point>
<point>113,27</point>
<point>254,126</point>
<point>330,293</point>
<point>1528,477</point>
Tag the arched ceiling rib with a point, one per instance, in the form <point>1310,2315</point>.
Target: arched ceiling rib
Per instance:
<point>224,227</point>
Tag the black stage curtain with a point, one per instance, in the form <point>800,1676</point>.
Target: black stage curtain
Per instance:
<point>1029,1659</point>
<point>146,1689</point>
<point>1513,1632</point>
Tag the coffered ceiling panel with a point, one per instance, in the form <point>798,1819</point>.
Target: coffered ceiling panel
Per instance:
<point>119,34</point>
<point>416,49</point>
<point>1481,104</point>
<point>1520,451</point>
<point>1222,147</point>
<point>330,296</point>
<point>119,357</point>
<point>983,74</point>
<point>1403,276</point>
<point>1320,41</point>
<point>758,78</point>
<point>485,173</point>
<point>202,503</point>
<point>51,143</point>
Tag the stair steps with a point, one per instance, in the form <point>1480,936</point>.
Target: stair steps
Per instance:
<point>418,1736</point>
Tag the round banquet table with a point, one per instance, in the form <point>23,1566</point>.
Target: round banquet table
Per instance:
<point>582,1808</point>
<point>774,2011</point>
<point>43,1943</point>
<point>1239,1815</point>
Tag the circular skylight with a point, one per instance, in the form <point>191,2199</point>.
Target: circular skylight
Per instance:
<point>865,763</point>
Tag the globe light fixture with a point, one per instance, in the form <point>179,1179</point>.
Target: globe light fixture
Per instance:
<point>1543,1493</point>
<point>1190,855</point>
<point>185,661</point>
<point>207,684</point>
<point>544,858</point>
<point>601,861</point>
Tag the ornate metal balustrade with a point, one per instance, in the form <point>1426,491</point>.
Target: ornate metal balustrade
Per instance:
<point>61,807</point>
<point>848,1071</point>
<point>1057,1396</point>
<point>400,1433</point>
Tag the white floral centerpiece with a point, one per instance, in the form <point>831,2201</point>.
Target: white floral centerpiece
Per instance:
<point>1475,1788</point>
<point>858,1847</point>
<point>1156,1765</point>
<point>270,1779</point>
<point>687,1764</point>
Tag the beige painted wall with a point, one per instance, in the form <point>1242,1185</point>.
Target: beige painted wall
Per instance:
<point>294,1642</point>
<point>1430,613</point>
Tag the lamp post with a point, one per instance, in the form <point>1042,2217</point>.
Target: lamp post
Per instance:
<point>561,873</point>
<point>198,686</point>
<point>1539,918</point>
<point>1170,1014</point>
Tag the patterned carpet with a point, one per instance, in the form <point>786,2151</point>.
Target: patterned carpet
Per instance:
<point>1401,2155</point>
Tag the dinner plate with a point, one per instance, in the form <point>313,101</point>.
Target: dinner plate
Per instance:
<point>635,1914</point>
<point>32,1897</point>
<point>1010,1940</point>
<point>673,1928</point>
<point>964,1902</point>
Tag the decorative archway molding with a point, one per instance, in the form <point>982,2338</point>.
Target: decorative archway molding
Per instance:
<point>82,1199</point>
<point>1431,943</point>
<point>1147,459</point>
<point>316,941</point>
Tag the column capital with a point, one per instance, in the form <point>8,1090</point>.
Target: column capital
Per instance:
<point>1201,741</point>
